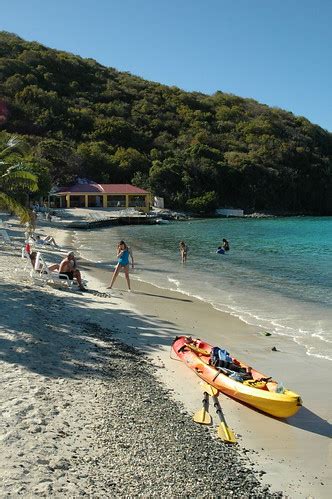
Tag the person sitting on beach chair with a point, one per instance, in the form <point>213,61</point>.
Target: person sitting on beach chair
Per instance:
<point>33,259</point>
<point>47,273</point>
<point>47,240</point>
<point>68,266</point>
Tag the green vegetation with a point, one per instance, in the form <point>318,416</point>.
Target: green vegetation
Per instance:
<point>198,151</point>
<point>15,178</point>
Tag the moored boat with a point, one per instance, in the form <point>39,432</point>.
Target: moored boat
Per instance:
<point>237,379</point>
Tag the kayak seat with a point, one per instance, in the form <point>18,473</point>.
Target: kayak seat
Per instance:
<point>261,385</point>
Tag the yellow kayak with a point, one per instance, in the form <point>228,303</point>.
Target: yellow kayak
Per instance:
<point>258,391</point>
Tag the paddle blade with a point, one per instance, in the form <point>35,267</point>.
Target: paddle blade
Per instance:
<point>202,417</point>
<point>211,390</point>
<point>226,434</point>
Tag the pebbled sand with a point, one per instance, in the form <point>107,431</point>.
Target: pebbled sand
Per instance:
<point>296,453</point>
<point>54,387</point>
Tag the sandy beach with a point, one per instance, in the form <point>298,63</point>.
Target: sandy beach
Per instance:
<point>84,414</point>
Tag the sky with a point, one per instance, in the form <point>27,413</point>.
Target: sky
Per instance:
<point>278,52</point>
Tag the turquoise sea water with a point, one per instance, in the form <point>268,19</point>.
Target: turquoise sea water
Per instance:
<point>277,274</point>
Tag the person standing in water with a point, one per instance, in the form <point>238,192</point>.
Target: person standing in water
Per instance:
<point>183,251</point>
<point>225,245</point>
<point>123,254</point>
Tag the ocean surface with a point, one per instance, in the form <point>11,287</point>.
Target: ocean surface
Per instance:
<point>277,274</point>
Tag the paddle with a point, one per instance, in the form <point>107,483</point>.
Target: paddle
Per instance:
<point>211,390</point>
<point>224,431</point>
<point>202,416</point>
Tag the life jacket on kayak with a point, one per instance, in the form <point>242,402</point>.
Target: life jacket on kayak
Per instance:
<point>220,359</point>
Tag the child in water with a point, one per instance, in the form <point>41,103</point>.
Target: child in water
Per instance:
<point>225,245</point>
<point>223,248</point>
<point>183,251</point>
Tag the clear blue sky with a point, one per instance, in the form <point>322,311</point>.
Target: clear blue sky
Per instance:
<point>278,52</point>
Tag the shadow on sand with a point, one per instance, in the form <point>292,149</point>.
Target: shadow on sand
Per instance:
<point>57,335</point>
<point>54,335</point>
<point>307,420</point>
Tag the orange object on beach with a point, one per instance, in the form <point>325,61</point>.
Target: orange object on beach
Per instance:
<point>261,392</point>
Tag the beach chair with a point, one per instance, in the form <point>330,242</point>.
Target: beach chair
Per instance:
<point>93,217</point>
<point>25,256</point>
<point>41,272</point>
<point>5,237</point>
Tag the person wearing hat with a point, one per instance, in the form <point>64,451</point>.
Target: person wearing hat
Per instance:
<point>68,266</point>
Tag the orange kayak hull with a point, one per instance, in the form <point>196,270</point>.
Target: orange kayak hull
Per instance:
<point>196,354</point>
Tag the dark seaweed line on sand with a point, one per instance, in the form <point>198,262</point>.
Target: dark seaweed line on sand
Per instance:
<point>151,446</point>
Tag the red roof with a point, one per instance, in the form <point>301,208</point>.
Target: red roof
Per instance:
<point>122,189</point>
<point>93,187</point>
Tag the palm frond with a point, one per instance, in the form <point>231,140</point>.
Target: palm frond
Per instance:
<point>13,141</point>
<point>16,180</point>
<point>10,204</point>
<point>14,144</point>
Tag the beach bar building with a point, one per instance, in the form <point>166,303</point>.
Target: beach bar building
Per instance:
<point>89,194</point>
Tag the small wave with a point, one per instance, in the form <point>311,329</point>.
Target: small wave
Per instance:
<point>174,281</point>
<point>318,355</point>
<point>312,351</point>
<point>321,337</point>
<point>87,257</point>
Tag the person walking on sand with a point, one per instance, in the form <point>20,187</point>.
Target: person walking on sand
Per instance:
<point>183,251</point>
<point>123,254</point>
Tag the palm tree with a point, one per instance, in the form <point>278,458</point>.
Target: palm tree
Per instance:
<point>14,179</point>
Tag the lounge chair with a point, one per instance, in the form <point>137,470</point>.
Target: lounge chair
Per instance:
<point>41,272</point>
<point>5,236</point>
<point>26,257</point>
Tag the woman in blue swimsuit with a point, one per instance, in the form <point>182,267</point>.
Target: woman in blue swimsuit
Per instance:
<point>123,254</point>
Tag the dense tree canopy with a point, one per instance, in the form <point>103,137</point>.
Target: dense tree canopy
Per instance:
<point>198,151</point>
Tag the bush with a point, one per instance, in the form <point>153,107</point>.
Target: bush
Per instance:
<point>206,203</point>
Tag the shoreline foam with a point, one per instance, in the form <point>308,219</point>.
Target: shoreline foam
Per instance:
<point>250,319</point>
<point>264,310</point>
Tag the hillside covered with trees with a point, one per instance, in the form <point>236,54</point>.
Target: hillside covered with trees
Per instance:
<point>197,151</point>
